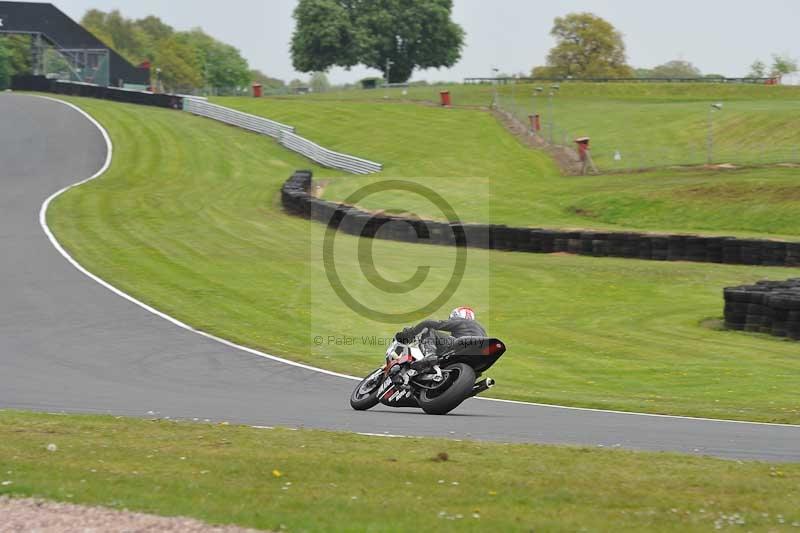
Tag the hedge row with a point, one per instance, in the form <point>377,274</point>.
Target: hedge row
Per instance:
<point>767,307</point>
<point>43,84</point>
<point>297,200</point>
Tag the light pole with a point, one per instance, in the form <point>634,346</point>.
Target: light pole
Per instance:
<point>389,64</point>
<point>553,90</point>
<point>713,109</point>
<point>494,86</point>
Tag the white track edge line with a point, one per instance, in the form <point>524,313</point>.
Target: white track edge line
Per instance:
<point>118,292</point>
<point>175,321</point>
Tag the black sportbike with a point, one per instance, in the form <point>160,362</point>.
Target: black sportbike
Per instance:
<point>438,388</point>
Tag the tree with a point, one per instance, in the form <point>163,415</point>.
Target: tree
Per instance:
<point>545,73</point>
<point>222,65</point>
<point>587,46</point>
<point>319,82</point>
<point>268,82</point>
<point>5,66</point>
<point>188,60</point>
<point>122,34</point>
<point>758,69</point>
<point>15,57</point>
<point>393,36</point>
<point>782,64</point>
<point>676,68</point>
<point>180,66</point>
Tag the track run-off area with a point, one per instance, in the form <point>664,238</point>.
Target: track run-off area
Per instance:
<point>71,342</point>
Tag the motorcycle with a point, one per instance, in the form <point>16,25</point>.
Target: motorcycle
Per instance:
<point>439,387</point>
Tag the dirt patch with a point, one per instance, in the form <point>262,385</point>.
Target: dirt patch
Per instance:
<point>566,158</point>
<point>22,515</point>
<point>581,212</point>
<point>733,192</point>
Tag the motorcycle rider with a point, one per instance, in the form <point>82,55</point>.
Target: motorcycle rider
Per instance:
<point>459,325</point>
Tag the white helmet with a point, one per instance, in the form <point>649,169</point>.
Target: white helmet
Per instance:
<point>463,312</point>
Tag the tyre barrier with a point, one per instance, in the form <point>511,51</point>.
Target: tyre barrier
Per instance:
<point>297,200</point>
<point>771,307</point>
<point>71,88</point>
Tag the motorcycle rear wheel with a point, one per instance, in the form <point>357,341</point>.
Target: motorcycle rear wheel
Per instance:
<point>456,388</point>
<point>364,397</point>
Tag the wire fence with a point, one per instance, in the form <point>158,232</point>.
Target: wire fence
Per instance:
<point>632,134</point>
<point>632,128</point>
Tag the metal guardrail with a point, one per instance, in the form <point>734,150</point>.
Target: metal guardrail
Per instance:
<point>284,134</point>
<point>327,158</point>
<point>235,118</point>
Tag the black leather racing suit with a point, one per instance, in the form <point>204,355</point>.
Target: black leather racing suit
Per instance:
<point>435,342</point>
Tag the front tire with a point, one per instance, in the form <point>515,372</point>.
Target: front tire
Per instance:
<point>365,395</point>
<point>457,388</point>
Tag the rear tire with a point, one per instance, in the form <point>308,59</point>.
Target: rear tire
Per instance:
<point>361,400</point>
<point>436,402</point>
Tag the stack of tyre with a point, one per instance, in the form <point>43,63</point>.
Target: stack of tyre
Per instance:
<point>771,307</point>
<point>349,219</point>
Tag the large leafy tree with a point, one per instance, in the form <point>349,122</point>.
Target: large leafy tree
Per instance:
<point>179,64</point>
<point>222,64</point>
<point>188,60</point>
<point>393,36</point>
<point>587,46</point>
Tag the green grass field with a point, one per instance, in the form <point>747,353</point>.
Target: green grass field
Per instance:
<point>463,151</point>
<point>650,124</point>
<point>321,481</point>
<point>188,220</point>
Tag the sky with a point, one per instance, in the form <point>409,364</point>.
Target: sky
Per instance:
<point>718,36</point>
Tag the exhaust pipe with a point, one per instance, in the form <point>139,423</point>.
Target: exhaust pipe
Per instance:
<point>483,385</point>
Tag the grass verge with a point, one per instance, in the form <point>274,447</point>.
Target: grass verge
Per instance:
<point>321,481</point>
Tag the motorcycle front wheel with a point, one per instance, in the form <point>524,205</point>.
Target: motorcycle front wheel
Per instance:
<point>456,387</point>
<point>365,395</point>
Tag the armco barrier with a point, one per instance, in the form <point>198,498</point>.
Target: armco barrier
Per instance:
<point>42,84</point>
<point>297,200</point>
<point>285,135</point>
<point>325,157</point>
<point>771,307</point>
<point>197,106</point>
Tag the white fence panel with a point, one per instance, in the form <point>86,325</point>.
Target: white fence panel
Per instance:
<point>327,158</point>
<point>285,135</point>
<point>235,118</point>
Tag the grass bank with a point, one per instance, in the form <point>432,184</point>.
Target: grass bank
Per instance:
<point>649,124</point>
<point>319,481</point>
<point>466,152</point>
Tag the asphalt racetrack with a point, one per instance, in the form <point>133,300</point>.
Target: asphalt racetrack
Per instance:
<point>69,344</point>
